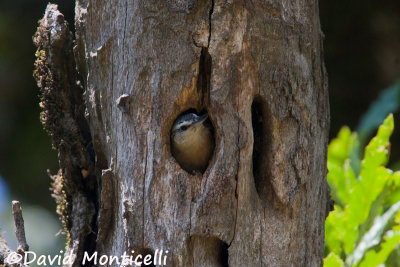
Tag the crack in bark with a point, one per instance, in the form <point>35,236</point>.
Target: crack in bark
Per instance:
<point>204,76</point>
<point>261,238</point>
<point>190,216</point>
<point>124,33</point>
<point>144,190</point>
<point>210,22</point>
<point>236,177</point>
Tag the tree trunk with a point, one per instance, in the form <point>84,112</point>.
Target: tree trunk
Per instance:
<point>256,67</point>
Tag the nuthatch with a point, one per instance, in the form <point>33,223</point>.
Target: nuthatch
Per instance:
<point>192,142</point>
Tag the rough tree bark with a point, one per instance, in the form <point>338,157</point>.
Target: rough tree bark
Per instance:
<point>255,66</point>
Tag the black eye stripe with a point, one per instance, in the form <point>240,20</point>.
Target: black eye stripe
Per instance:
<point>184,127</point>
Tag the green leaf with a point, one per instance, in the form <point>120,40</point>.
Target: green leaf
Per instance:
<point>372,259</point>
<point>373,179</point>
<point>341,177</point>
<point>334,230</point>
<point>393,195</point>
<point>375,210</point>
<point>358,201</point>
<point>377,151</point>
<point>362,191</point>
<point>333,260</point>
<point>373,236</point>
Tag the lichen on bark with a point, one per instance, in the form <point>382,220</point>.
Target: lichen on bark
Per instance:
<point>74,186</point>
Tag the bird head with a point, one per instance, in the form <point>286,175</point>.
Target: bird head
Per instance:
<point>187,126</point>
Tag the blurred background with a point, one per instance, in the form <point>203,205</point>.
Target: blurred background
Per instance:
<point>25,148</point>
<point>362,56</point>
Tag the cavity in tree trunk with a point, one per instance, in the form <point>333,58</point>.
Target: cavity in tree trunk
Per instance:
<point>255,66</point>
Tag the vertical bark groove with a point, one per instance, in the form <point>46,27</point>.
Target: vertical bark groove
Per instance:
<point>260,159</point>
<point>204,76</point>
<point>210,22</point>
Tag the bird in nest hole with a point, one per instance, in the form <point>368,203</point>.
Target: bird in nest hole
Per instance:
<point>192,142</point>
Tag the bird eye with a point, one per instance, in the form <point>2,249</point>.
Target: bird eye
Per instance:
<point>183,128</point>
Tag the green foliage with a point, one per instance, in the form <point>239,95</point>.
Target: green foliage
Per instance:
<point>333,260</point>
<point>364,228</point>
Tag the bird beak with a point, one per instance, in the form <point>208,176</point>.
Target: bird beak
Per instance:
<point>201,119</point>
